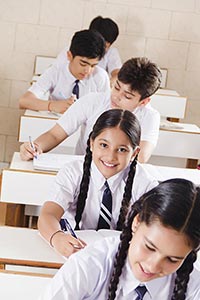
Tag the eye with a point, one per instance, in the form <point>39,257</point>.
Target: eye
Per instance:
<point>173,260</point>
<point>122,150</point>
<point>128,97</point>
<point>82,64</point>
<point>149,248</point>
<point>103,145</point>
<point>116,88</point>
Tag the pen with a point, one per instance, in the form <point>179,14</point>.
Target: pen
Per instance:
<point>70,229</point>
<point>32,145</point>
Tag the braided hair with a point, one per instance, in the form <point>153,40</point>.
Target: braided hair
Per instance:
<point>129,124</point>
<point>176,204</point>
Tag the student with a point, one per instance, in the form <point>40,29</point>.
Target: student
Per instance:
<point>138,79</point>
<point>86,49</point>
<point>158,247</point>
<point>111,156</point>
<point>111,61</point>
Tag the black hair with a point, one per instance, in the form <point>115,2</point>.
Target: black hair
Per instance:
<point>129,124</point>
<point>87,43</point>
<point>175,203</point>
<point>107,27</point>
<point>142,75</point>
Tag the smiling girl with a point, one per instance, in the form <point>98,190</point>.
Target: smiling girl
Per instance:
<point>111,156</point>
<point>155,257</point>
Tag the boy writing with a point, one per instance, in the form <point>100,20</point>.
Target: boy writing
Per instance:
<point>79,75</point>
<point>138,79</point>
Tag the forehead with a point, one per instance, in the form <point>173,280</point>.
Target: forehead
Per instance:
<point>89,61</point>
<point>127,88</point>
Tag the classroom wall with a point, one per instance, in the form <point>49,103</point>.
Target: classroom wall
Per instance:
<point>165,31</point>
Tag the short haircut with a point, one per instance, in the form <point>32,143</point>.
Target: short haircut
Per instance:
<point>142,75</point>
<point>107,27</point>
<point>87,43</point>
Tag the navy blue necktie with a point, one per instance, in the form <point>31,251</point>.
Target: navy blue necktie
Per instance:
<point>106,209</point>
<point>75,90</point>
<point>140,290</point>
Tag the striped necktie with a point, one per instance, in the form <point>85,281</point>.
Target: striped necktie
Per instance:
<point>75,90</point>
<point>140,290</point>
<point>106,209</point>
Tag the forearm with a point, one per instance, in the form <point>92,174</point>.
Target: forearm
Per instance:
<point>51,138</point>
<point>146,149</point>
<point>30,101</point>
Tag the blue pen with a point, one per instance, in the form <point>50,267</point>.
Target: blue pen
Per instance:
<point>32,146</point>
<point>70,229</point>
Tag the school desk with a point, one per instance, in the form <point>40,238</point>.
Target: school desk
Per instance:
<point>32,187</point>
<point>34,123</point>
<point>25,247</point>
<point>21,287</point>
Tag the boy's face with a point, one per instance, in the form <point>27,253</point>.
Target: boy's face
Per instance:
<point>156,251</point>
<point>81,67</point>
<point>122,97</point>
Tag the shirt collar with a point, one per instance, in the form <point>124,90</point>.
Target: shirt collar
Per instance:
<point>113,181</point>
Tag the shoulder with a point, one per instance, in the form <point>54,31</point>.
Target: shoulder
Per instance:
<point>145,177</point>
<point>100,73</point>
<point>193,290</point>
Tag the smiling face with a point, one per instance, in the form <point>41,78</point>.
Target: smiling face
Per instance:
<point>125,98</point>
<point>156,251</point>
<point>112,151</point>
<point>81,67</point>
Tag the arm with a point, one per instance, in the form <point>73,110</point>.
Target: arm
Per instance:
<point>49,227</point>
<point>44,142</point>
<point>146,149</point>
<point>30,101</point>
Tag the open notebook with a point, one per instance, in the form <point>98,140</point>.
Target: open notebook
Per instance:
<point>52,161</point>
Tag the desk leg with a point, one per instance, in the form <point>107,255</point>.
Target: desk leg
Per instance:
<point>15,215</point>
<point>192,163</point>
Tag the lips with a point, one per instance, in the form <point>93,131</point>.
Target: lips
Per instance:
<point>146,274</point>
<point>107,164</point>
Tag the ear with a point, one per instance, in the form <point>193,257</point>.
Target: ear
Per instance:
<point>135,223</point>
<point>144,101</point>
<point>91,144</point>
<point>136,151</point>
<point>69,56</point>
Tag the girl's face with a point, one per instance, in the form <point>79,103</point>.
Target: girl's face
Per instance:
<point>112,151</point>
<point>156,251</point>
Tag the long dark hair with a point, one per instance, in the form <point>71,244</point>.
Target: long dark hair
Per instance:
<point>176,204</point>
<point>129,124</point>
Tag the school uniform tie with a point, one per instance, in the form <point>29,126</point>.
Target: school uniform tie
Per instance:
<point>106,209</point>
<point>75,90</point>
<point>140,290</point>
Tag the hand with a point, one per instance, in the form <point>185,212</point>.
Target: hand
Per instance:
<point>60,106</point>
<point>27,152</point>
<point>66,244</point>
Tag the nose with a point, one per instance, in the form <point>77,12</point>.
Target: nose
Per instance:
<point>118,95</point>
<point>111,155</point>
<point>87,69</point>
<point>154,266</point>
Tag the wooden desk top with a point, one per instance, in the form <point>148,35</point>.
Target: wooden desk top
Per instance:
<point>24,246</point>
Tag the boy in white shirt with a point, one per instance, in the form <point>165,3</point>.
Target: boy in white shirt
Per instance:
<point>79,69</point>
<point>111,61</point>
<point>138,79</point>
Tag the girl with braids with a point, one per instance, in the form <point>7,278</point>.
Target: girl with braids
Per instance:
<point>111,155</point>
<point>156,253</point>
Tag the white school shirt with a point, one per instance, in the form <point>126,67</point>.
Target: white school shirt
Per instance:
<point>109,62</point>
<point>59,82</point>
<point>66,187</point>
<point>87,109</point>
<point>86,275</point>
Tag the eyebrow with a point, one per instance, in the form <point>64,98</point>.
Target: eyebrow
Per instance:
<point>87,63</point>
<point>172,256</point>
<point>104,140</point>
<point>127,92</point>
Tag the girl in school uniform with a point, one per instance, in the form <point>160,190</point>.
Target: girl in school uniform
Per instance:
<point>111,156</point>
<point>154,258</point>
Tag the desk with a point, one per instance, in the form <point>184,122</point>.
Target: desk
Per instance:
<point>25,247</point>
<point>26,180</point>
<point>181,143</point>
<point>34,123</point>
<point>22,287</point>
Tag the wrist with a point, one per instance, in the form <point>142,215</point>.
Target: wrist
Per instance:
<point>52,236</point>
<point>49,106</point>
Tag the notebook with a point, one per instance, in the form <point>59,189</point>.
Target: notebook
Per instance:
<point>52,161</point>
